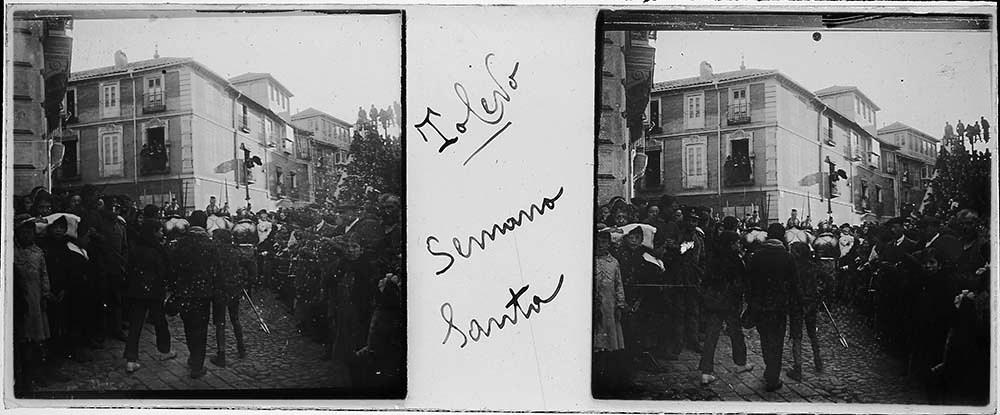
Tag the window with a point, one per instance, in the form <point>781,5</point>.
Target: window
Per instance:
<point>654,116</point>
<point>694,116</point>
<point>925,172</point>
<point>111,152</point>
<point>828,132</point>
<point>864,194</point>
<point>109,100</point>
<point>69,105</point>
<point>70,162</point>
<point>293,180</point>
<point>695,162</point>
<point>652,176</point>
<point>857,105</point>
<point>244,118</point>
<point>154,92</point>
<point>878,194</point>
<point>739,106</point>
<point>856,149</point>
<point>278,175</point>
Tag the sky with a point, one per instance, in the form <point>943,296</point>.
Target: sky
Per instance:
<point>921,79</point>
<point>333,63</point>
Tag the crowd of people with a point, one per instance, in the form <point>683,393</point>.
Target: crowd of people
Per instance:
<point>669,278</point>
<point>91,269</point>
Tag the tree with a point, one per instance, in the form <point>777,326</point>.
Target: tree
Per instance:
<point>961,181</point>
<point>375,164</point>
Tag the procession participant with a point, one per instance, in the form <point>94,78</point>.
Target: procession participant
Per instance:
<point>227,289</point>
<point>634,270</point>
<point>895,265</point>
<point>109,246</point>
<point>947,246</point>
<point>723,301</point>
<point>349,291</point>
<point>146,288</point>
<point>772,289</point>
<point>193,259</point>
<point>212,208</point>
<point>827,249</point>
<point>31,292</point>
<point>960,129</point>
<point>610,371</point>
<point>69,270</point>
<point>949,132</point>
<point>793,220</point>
<point>655,220</point>
<point>685,301</point>
<point>803,311</point>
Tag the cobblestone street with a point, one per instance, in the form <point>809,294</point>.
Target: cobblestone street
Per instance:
<point>861,373</point>
<point>281,360</point>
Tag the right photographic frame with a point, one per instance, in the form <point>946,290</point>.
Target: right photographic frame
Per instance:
<point>794,207</point>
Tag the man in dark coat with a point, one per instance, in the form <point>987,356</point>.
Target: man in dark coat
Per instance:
<point>897,268</point>
<point>723,301</point>
<point>146,289</point>
<point>228,285</point>
<point>193,259</point>
<point>686,271</point>
<point>772,281</point>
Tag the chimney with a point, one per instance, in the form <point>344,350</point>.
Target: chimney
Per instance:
<point>705,69</point>
<point>120,59</point>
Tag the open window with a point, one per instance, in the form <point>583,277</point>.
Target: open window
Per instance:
<point>738,166</point>
<point>153,156</point>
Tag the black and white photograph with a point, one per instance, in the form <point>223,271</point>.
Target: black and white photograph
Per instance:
<point>206,203</point>
<point>794,207</point>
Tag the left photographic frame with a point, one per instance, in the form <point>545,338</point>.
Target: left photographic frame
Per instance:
<point>207,203</point>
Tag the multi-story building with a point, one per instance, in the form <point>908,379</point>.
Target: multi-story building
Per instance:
<point>915,156</point>
<point>626,79</point>
<point>755,140</point>
<point>170,128</point>
<point>873,188</point>
<point>41,52</point>
<point>330,140</point>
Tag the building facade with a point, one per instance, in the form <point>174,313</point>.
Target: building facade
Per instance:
<point>755,140</point>
<point>915,156</point>
<point>170,128</point>
<point>42,52</point>
<point>329,142</point>
<point>626,79</point>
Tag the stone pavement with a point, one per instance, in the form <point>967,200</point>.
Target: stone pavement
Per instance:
<point>282,359</point>
<point>862,373</point>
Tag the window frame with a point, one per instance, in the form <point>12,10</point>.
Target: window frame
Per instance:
<point>110,168</point>
<point>694,122</point>
<point>162,89</point>
<point>106,110</point>
<point>71,116</point>
<point>696,176</point>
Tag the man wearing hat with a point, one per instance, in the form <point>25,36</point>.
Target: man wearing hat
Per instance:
<point>896,263</point>
<point>772,290</point>
<point>70,273</point>
<point>686,272</point>
<point>193,257</point>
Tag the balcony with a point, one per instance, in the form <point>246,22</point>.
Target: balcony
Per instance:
<point>153,102</point>
<point>738,170</point>
<point>874,160</point>
<point>153,159</point>
<point>738,114</point>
